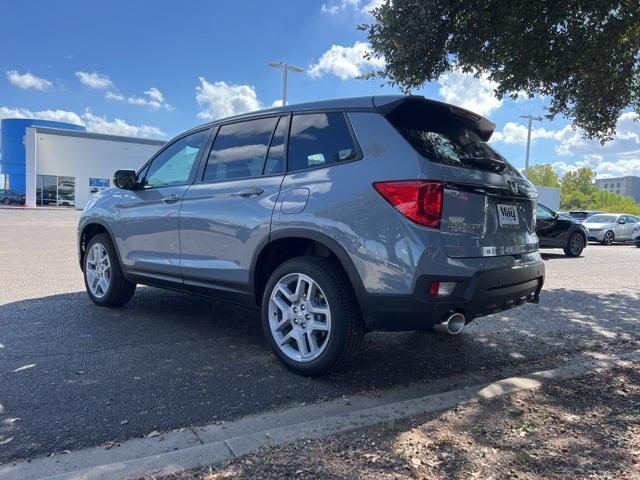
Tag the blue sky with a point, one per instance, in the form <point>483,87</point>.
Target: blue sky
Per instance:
<point>156,68</point>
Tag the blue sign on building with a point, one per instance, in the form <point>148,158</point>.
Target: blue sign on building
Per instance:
<point>99,182</point>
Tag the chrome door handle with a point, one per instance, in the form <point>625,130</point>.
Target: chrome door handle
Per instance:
<point>251,192</point>
<point>171,199</point>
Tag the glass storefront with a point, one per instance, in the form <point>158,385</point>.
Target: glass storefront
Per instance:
<point>55,191</point>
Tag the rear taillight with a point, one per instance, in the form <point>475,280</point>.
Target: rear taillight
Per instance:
<point>418,200</point>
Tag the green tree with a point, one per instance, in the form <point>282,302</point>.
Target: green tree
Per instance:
<point>543,175</point>
<point>578,190</point>
<point>583,54</point>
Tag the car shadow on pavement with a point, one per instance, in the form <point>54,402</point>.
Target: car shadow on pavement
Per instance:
<point>167,360</point>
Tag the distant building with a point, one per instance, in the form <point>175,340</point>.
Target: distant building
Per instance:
<point>60,164</point>
<point>629,185</point>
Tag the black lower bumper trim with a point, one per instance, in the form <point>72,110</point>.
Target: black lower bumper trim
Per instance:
<point>484,293</point>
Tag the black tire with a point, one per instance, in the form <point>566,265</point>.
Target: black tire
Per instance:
<point>6,201</point>
<point>609,238</point>
<point>347,326</point>
<point>575,245</point>
<point>120,289</point>
<point>637,242</point>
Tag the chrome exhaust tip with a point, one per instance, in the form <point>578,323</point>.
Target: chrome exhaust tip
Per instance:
<point>453,324</point>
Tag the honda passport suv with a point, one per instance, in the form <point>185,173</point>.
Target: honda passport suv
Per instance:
<point>334,218</point>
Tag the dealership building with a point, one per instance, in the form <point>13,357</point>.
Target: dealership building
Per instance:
<point>61,164</point>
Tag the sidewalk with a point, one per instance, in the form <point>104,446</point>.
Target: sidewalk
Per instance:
<point>586,427</point>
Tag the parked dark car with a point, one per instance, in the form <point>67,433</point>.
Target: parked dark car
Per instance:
<point>560,231</point>
<point>8,197</point>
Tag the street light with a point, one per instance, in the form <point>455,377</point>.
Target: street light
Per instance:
<point>286,69</point>
<point>526,160</point>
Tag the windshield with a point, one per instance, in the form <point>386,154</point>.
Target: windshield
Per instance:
<point>602,219</point>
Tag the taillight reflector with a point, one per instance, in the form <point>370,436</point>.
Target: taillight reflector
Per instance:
<point>418,200</point>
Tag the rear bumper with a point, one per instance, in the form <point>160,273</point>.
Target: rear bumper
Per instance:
<point>484,293</point>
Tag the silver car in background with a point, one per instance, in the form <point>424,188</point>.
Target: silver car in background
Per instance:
<point>607,228</point>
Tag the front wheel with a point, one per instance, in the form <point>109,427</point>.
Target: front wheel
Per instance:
<point>6,201</point>
<point>103,278</point>
<point>310,316</point>
<point>608,238</point>
<point>575,246</point>
<point>637,242</point>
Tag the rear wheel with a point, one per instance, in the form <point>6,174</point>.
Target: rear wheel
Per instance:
<point>310,316</point>
<point>575,245</point>
<point>103,277</point>
<point>6,201</point>
<point>637,242</point>
<point>608,238</point>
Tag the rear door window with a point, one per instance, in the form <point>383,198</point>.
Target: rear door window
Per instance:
<point>320,139</point>
<point>239,150</point>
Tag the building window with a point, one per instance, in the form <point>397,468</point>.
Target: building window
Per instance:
<point>618,185</point>
<point>606,185</point>
<point>57,191</point>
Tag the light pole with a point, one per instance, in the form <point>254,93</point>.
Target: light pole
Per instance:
<point>286,68</point>
<point>526,159</point>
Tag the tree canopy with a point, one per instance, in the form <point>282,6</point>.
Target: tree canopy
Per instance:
<point>582,54</point>
<point>579,192</point>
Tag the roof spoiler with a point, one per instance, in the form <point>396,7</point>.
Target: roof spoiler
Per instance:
<point>391,106</point>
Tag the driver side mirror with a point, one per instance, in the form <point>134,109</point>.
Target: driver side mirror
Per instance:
<point>125,179</point>
<point>621,222</point>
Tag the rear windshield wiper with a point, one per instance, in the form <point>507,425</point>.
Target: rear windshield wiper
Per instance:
<point>486,163</point>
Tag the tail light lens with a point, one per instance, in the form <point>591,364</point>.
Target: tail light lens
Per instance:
<point>418,200</point>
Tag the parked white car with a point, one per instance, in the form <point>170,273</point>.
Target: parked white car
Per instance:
<point>607,228</point>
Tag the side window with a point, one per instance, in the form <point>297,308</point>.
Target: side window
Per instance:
<point>239,150</point>
<point>543,213</point>
<point>630,219</point>
<point>174,164</point>
<point>319,139</point>
<point>275,158</point>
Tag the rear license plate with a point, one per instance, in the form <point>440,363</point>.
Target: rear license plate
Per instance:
<point>507,215</point>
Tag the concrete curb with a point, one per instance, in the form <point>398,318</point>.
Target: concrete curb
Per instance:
<point>213,444</point>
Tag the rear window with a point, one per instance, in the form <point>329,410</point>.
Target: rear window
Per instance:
<point>319,139</point>
<point>456,147</point>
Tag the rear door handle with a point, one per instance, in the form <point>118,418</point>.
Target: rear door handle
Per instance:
<point>251,192</point>
<point>171,199</point>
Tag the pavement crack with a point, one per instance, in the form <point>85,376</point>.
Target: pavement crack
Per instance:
<point>193,430</point>
<point>228,445</point>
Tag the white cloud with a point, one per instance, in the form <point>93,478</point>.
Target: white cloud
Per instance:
<point>276,104</point>
<point>53,115</point>
<point>345,62</point>
<point>337,6</point>
<point>119,127</point>
<point>93,122</point>
<point>28,80</point>
<point>361,6</point>
<point>94,80</point>
<point>114,96</point>
<point>153,99</point>
<point>467,91</point>
<point>220,99</point>
<point>516,134</point>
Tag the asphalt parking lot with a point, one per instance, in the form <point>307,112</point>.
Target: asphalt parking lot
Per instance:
<point>73,375</point>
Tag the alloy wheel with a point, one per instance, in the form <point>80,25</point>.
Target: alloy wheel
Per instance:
<point>608,238</point>
<point>299,317</point>
<point>98,270</point>
<point>577,245</point>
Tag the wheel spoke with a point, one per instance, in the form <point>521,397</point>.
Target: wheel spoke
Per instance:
<point>303,348</point>
<point>301,287</point>
<point>91,275</point>
<point>317,327</point>
<point>104,285</point>
<point>313,342</point>
<point>324,310</point>
<point>284,290</point>
<point>284,340</point>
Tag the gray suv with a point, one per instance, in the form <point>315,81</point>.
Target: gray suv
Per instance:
<point>334,218</point>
